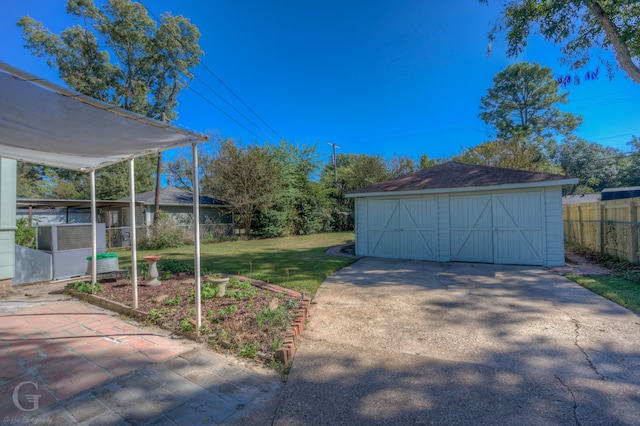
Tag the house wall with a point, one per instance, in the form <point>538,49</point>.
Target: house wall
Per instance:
<point>515,226</point>
<point>8,169</point>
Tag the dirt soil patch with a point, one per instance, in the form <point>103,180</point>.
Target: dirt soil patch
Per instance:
<point>250,320</point>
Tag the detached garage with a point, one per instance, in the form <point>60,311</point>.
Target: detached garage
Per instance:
<point>463,212</point>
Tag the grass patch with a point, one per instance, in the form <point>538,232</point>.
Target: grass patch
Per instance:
<point>298,262</point>
<point>622,289</point>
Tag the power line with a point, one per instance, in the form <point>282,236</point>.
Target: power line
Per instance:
<point>228,103</point>
<point>224,85</point>
<point>207,100</point>
<point>238,97</point>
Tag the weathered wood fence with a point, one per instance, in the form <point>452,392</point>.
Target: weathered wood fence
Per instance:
<point>608,227</point>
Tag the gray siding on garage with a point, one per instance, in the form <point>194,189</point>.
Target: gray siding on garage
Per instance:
<point>510,226</point>
<point>554,226</point>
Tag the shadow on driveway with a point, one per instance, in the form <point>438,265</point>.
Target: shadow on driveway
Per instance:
<point>397,342</point>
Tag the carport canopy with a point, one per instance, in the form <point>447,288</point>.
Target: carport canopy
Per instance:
<point>43,123</point>
<point>47,124</point>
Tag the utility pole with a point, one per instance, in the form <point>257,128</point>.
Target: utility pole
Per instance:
<point>335,164</point>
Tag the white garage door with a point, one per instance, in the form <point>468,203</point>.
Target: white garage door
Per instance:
<point>497,228</point>
<point>403,229</point>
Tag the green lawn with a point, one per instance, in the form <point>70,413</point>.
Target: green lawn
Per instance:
<point>624,289</point>
<point>298,262</point>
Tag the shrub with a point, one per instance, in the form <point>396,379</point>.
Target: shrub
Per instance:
<point>164,234</point>
<point>25,234</point>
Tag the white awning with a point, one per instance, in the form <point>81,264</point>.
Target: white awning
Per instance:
<point>47,124</point>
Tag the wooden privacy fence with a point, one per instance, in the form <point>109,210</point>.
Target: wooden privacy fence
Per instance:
<point>608,227</point>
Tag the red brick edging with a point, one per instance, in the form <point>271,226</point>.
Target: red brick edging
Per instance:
<point>287,351</point>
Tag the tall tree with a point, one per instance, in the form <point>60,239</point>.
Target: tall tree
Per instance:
<point>302,206</point>
<point>631,169</point>
<point>581,27</point>
<point>246,177</point>
<point>523,103</point>
<point>121,56</point>
<point>513,153</point>
<point>595,166</point>
<point>400,165</point>
<point>426,162</point>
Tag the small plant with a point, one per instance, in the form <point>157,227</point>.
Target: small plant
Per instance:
<point>175,266</point>
<point>229,310</point>
<point>290,304</point>
<point>211,315</point>
<point>225,312</point>
<point>165,276</point>
<point>275,318</point>
<point>187,325</point>
<point>155,316</point>
<point>173,301</point>
<point>208,290</point>
<point>235,283</point>
<point>277,344</point>
<point>250,350</point>
<point>85,287</point>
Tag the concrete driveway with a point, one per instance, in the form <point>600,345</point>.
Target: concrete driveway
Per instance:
<point>412,342</point>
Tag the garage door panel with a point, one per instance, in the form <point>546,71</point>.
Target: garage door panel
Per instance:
<point>403,228</point>
<point>469,246</point>
<point>419,213</point>
<point>518,228</point>
<point>420,245</point>
<point>381,214</point>
<point>520,210</point>
<point>521,247</point>
<point>470,224</point>
<point>384,244</point>
<point>470,211</point>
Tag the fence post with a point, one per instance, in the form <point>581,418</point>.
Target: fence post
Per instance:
<point>580,227</point>
<point>633,218</point>
<point>602,235</point>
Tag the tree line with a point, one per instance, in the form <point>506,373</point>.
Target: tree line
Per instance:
<point>123,57</point>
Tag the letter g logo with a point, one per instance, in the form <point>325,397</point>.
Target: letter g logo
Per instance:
<point>31,398</point>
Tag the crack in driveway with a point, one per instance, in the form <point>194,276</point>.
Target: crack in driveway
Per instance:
<point>586,356</point>
<point>573,396</point>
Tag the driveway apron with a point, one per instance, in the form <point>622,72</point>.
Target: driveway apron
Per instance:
<point>413,342</point>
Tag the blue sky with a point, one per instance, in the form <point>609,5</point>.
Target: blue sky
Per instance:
<point>374,77</point>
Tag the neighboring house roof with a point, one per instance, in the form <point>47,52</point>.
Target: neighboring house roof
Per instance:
<point>58,203</point>
<point>452,175</point>
<point>170,196</point>
<point>580,198</point>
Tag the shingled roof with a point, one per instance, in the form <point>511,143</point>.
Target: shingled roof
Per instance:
<point>170,196</point>
<point>460,175</point>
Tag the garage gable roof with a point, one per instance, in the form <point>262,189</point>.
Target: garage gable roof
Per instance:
<point>44,123</point>
<point>460,176</point>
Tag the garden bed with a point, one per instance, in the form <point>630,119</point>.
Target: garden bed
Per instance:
<point>253,319</point>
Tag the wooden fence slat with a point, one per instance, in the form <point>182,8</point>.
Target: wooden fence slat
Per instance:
<point>610,227</point>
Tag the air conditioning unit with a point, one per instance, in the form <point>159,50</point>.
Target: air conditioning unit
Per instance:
<point>69,245</point>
